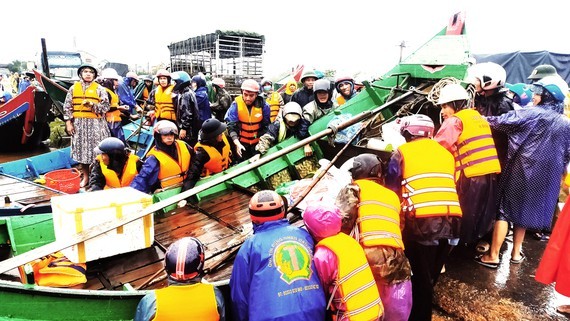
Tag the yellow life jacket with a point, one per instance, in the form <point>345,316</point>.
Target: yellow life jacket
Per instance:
<point>282,130</point>
<point>172,173</point>
<point>378,220</point>
<point>218,162</point>
<point>273,102</point>
<point>112,179</point>
<point>115,115</point>
<point>428,185</point>
<point>186,302</point>
<point>78,96</point>
<point>249,122</point>
<point>354,281</point>
<point>164,104</point>
<point>476,154</point>
<point>340,100</point>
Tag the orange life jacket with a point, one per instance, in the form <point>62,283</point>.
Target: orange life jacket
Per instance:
<point>476,153</point>
<point>78,96</point>
<point>249,122</point>
<point>56,270</point>
<point>115,115</point>
<point>186,302</point>
<point>218,162</point>
<point>112,179</point>
<point>164,104</point>
<point>378,220</point>
<point>354,282</point>
<point>172,173</point>
<point>274,105</point>
<point>428,185</point>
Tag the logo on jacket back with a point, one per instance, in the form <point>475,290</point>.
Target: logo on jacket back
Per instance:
<point>293,261</point>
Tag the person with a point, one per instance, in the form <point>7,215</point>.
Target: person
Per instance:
<point>273,98</point>
<point>148,86</point>
<point>15,81</point>
<point>521,94</point>
<point>346,88</point>
<point>467,135</point>
<point>115,114</point>
<point>187,296</point>
<point>187,114</point>
<point>25,83</point>
<point>212,152</point>
<point>201,92</point>
<point>222,100</point>
<point>290,124</point>
<point>322,103</point>
<point>161,97</point>
<point>491,98</point>
<point>125,90</point>
<point>1,82</point>
<point>5,97</point>
<point>247,119</point>
<point>341,266</point>
<point>305,94</point>
<point>542,71</point>
<point>555,264</point>
<point>114,165</point>
<point>421,172</point>
<point>531,131</point>
<point>290,88</point>
<point>166,164</point>
<point>372,216</point>
<point>273,276</point>
<point>84,111</point>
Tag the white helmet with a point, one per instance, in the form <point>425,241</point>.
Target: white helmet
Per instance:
<point>110,73</point>
<point>490,74</point>
<point>133,75</point>
<point>220,82</point>
<point>292,111</point>
<point>555,85</point>
<point>452,92</point>
<point>417,125</point>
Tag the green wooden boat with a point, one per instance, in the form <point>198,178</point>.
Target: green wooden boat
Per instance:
<point>116,284</point>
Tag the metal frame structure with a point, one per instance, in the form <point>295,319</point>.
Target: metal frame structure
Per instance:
<point>221,54</point>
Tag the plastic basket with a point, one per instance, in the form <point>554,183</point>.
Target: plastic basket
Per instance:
<point>64,180</point>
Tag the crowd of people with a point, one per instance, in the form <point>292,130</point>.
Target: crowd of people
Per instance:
<point>380,249</point>
<point>193,137</point>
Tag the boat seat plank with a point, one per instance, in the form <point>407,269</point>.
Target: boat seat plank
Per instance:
<point>115,265</point>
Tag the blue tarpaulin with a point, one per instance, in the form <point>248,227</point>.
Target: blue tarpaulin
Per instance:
<point>519,65</point>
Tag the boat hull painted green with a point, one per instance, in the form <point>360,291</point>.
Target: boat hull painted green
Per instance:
<point>21,302</point>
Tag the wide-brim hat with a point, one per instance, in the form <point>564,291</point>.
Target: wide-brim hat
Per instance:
<point>211,128</point>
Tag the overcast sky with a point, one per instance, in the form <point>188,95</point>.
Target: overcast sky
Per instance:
<point>348,36</point>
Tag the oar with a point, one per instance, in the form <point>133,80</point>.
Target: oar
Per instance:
<point>92,232</point>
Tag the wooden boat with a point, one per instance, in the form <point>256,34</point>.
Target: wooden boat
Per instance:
<point>219,219</point>
<point>26,197</point>
<point>23,120</point>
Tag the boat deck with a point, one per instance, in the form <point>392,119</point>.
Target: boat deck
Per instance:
<point>219,221</point>
<point>22,194</point>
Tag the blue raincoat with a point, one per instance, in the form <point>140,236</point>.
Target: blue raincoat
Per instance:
<point>538,152</point>
<point>274,277</point>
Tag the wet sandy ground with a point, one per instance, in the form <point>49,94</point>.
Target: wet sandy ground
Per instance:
<point>469,291</point>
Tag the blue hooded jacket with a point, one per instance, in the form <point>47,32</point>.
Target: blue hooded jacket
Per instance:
<point>274,277</point>
<point>202,98</point>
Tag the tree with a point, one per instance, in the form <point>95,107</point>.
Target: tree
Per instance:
<point>16,66</point>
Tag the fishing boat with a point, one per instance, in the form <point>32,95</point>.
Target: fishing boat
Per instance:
<point>220,216</point>
<point>24,120</point>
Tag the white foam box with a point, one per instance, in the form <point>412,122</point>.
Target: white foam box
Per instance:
<point>77,212</point>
